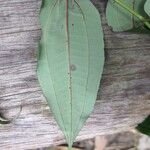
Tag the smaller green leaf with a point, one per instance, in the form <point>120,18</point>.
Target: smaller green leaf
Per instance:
<point>117,17</point>
<point>126,15</point>
<point>147,7</point>
<point>144,127</point>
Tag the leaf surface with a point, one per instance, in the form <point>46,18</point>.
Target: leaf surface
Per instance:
<point>122,20</point>
<point>147,7</point>
<point>144,127</point>
<point>70,61</point>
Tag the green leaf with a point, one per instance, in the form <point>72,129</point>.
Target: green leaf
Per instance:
<point>70,61</point>
<point>121,18</point>
<point>144,127</point>
<point>147,7</point>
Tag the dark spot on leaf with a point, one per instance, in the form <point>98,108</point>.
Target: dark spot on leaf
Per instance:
<point>72,67</point>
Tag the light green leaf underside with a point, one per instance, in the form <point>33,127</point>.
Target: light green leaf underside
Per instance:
<point>70,63</point>
<point>122,20</point>
<point>147,7</point>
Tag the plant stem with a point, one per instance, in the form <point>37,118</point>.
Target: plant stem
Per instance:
<point>128,8</point>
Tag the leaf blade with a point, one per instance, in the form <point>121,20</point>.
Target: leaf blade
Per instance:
<point>121,19</point>
<point>66,75</point>
<point>144,127</point>
<point>147,7</point>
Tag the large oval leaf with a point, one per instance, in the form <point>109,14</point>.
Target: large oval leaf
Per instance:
<point>122,20</point>
<point>71,61</point>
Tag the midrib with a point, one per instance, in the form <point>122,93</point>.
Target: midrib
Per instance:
<point>69,64</point>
